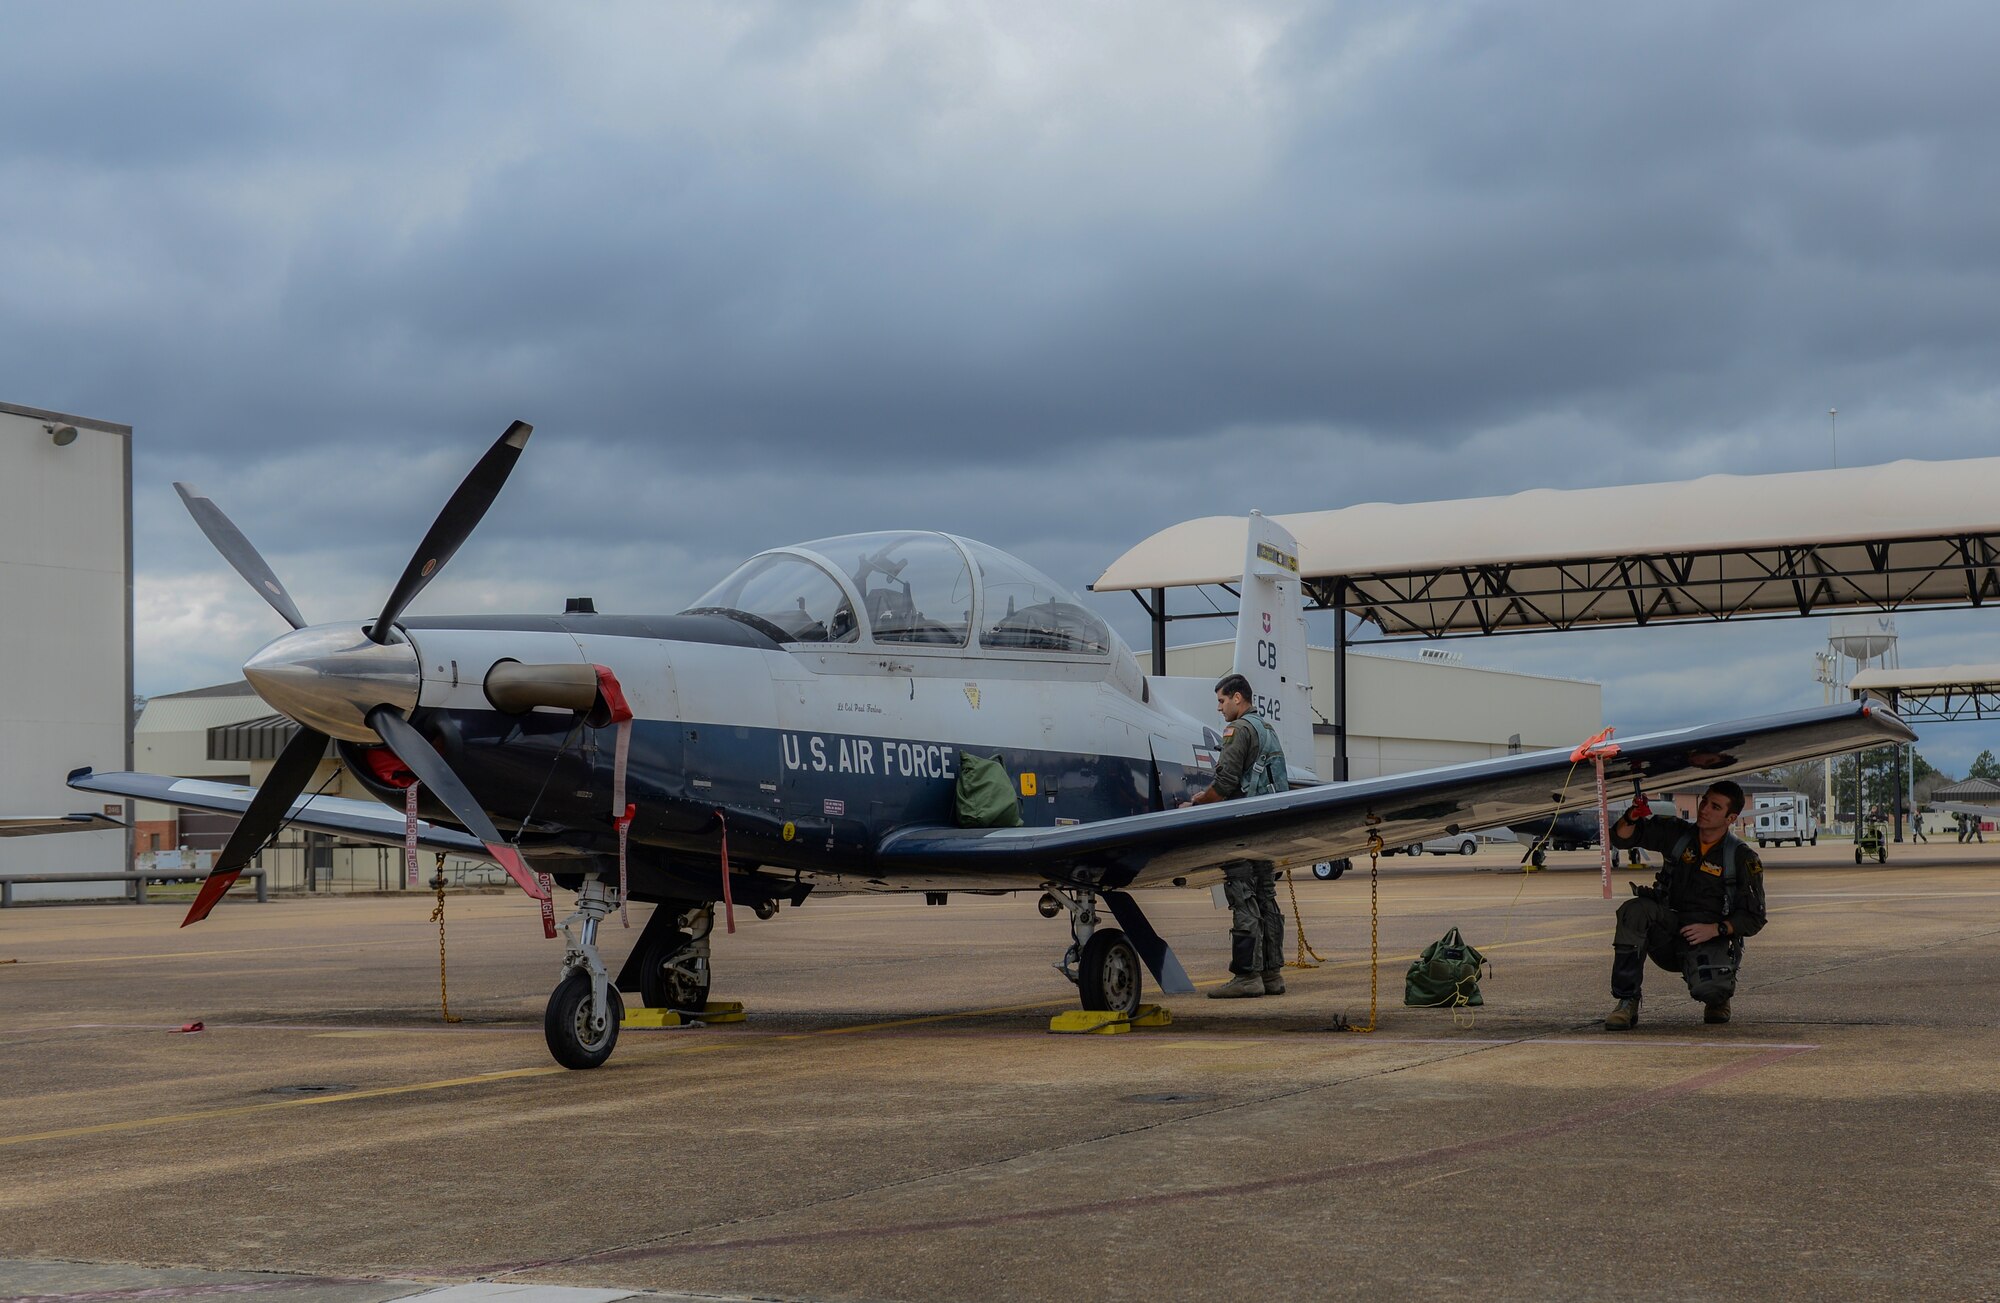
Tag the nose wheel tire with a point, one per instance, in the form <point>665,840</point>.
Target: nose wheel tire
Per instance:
<point>1109,974</point>
<point>662,987</point>
<point>576,1037</point>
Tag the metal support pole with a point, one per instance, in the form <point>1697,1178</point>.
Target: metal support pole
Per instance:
<point>1895,777</point>
<point>1339,681</point>
<point>1160,631</point>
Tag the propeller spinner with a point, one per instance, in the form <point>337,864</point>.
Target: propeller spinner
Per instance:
<point>340,680</point>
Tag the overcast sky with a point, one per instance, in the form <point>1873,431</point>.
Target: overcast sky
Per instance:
<point>1048,275</point>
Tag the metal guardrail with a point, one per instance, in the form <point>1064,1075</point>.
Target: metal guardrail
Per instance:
<point>139,882</point>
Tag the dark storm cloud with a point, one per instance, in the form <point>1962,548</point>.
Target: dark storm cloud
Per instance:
<point>1458,218</point>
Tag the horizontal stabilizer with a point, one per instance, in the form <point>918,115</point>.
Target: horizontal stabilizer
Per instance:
<point>366,821</point>
<point>37,825</point>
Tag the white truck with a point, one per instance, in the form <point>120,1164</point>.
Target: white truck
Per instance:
<point>1784,817</point>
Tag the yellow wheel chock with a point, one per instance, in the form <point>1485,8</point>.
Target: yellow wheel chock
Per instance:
<point>715,1011</point>
<point>1106,1022</point>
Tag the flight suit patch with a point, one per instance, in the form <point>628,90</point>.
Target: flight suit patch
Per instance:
<point>1712,870</point>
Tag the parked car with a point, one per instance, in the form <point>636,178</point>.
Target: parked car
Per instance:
<point>1463,843</point>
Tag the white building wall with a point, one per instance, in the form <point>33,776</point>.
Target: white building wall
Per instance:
<point>1406,713</point>
<point>65,636</point>
<point>171,737</point>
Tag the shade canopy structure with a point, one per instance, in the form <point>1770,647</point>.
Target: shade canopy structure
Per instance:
<point>1940,692</point>
<point>1909,535</point>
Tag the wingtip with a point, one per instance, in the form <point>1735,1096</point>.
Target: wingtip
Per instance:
<point>517,434</point>
<point>78,775</point>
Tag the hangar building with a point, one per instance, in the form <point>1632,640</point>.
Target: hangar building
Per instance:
<point>65,636</point>
<point>1415,710</point>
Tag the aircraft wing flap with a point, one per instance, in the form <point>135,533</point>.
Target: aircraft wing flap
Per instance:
<point>365,821</point>
<point>1337,820</point>
<point>31,825</point>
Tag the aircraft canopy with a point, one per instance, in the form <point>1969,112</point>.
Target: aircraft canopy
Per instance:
<point>909,588</point>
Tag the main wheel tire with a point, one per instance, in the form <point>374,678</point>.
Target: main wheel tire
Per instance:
<point>1325,871</point>
<point>567,1023</point>
<point>1815,839</point>
<point>1468,846</point>
<point>661,989</point>
<point>1540,857</point>
<point>1109,973</point>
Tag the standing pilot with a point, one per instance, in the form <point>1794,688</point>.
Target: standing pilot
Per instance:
<point>1707,898</point>
<point>1252,763</point>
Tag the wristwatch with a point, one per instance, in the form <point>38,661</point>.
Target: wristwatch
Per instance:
<point>1722,928</point>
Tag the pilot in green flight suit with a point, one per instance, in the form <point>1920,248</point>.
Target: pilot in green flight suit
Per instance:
<point>1252,763</point>
<point>1707,897</point>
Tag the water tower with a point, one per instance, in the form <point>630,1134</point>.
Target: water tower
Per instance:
<point>1864,638</point>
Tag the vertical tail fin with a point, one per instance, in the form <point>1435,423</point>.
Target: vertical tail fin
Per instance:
<point>1271,640</point>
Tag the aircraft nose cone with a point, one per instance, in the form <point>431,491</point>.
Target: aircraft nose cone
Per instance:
<point>330,676</point>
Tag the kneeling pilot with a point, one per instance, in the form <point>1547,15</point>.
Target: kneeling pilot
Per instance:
<point>1707,898</point>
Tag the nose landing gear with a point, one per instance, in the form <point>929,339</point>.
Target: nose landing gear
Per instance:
<point>581,1023</point>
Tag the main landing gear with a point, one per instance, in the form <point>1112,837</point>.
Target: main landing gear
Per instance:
<point>584,1011</point>
<point>1102,961</point>
<point>673,967</point>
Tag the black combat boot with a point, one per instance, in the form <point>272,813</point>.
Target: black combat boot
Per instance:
<point>1715,1011</point>
<point>1628,970</point>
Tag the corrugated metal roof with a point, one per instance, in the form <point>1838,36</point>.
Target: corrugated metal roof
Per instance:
<point>254,739</point>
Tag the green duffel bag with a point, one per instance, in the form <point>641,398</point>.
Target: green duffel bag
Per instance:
<point>986,794</point>
<point>1446,975</point>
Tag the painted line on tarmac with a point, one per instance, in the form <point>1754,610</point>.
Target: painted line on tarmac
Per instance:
<point>194,1291</point>
<point>1141,1203</point>
<point>205,954</point>
<point>273,1106</point>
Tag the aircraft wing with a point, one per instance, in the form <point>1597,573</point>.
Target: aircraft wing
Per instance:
<point>1336,820</point>
<point>366,821</point>
<point>36,825</point>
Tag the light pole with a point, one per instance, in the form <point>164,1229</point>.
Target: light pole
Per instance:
<point>1833,425</point>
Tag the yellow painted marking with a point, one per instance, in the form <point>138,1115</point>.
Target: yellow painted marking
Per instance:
<point>1027,784</point>
<point>207,954</point>
<point>791,830</point>
<point>249,1110</point>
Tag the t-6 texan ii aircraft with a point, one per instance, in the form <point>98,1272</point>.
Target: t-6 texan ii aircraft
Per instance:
<point>800,731</point>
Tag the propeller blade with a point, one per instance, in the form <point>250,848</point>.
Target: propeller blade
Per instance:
<point>288,777</point>
<point>431,769</point>
<point>454,525</point>
<point>236,550</point>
